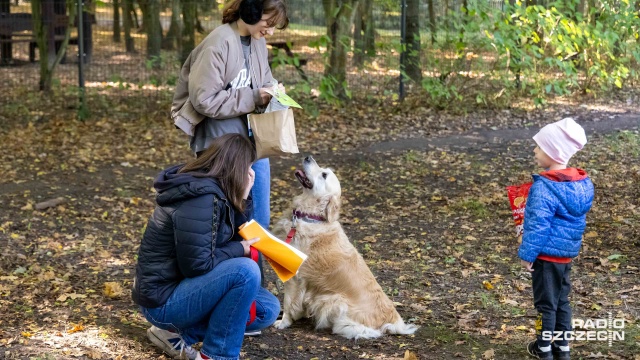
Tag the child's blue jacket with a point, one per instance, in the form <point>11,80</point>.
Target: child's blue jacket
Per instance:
<point>555,214</point>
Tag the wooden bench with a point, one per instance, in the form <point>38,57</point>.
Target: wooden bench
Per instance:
<point>284,45</point>
<point>18,28</point>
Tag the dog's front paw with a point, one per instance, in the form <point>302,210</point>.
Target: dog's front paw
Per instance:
<point>282,324</point>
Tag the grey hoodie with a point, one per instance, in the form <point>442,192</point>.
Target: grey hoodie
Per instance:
<point>201,90</point>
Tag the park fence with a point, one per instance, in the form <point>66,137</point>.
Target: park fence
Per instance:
<point>448,45</point>
<point>109,64</point>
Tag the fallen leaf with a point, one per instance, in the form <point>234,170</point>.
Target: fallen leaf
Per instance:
<point>112,290</point>
<point>489,354</point>
<point>408,355</point>
<point>76,328</point>
<point>487,285</point>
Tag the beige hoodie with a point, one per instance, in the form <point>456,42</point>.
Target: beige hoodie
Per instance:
<point>213,64</point>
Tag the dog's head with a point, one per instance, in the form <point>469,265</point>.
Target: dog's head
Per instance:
<point>321,190</point>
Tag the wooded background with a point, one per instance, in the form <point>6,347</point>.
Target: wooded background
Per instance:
<point>455,50</point>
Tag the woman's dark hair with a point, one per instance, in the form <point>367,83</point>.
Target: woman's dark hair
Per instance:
<point>227,160</point>
<point>278,8</point>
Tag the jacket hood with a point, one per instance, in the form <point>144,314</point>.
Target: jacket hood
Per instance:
<point>172,187</point>
<point>576,196</point>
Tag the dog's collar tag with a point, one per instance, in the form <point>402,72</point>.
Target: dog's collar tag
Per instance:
<point>291,234</point>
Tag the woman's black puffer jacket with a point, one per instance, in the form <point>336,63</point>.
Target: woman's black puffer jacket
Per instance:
<point>192,229</point>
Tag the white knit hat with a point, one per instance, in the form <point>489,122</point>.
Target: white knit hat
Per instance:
<point>561,140</point>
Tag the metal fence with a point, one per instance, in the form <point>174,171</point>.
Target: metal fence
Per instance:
<point>110,66</point>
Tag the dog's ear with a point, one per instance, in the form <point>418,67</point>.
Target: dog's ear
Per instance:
<point>333,208</point>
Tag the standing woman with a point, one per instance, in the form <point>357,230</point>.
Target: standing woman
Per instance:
<point>223,80</point>
<point>194,281</point>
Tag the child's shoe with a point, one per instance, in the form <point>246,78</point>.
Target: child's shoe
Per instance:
<point>560,352</point>
<point>536,352</point>
<point>171,343</point>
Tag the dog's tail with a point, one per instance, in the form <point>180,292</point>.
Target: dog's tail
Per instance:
<point>399,327</point>
<point>353,330</point>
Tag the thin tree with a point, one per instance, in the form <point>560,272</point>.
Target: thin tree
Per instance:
<point>188,38</point>
<point>432,21</point>
<point>116,21</point>
<point>127,10</point>
<point>413,66</point>
<point>338,20</point>
<point>363,33</point>
<point>172,40</point>
<point>154,32</point>
<point>43,32</point>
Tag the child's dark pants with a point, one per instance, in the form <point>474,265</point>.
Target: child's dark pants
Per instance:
<point>551,288</point>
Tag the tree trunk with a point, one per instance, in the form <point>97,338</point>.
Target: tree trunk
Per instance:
<point>358,36</point>
<point>369,30</point>
<point>6,49</point>
<point>144,8</point>
<point>127,9</point>
<point>338,20</point>
<point>172,40</point>
<point>464,11</point>
<point>43,32</point>
<point>87,26</point>
<point>188,29</point>
<point>447,22</point>
<point>432,21</point>
<point>363,33</point>
<point>591,12</point>
<point>154,32</point>
<point>413,65</point>
<point>116,21</point>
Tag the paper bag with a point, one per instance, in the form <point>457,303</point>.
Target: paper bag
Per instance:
<point>274,133</point>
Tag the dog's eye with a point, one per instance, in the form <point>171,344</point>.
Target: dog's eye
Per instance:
<point>324,175</point>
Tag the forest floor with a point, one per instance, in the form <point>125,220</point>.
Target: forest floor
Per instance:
<point>424,202</point>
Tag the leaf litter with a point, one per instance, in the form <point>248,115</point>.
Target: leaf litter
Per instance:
<point>433,224</point>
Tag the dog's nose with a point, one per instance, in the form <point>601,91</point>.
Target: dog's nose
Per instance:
<point>308,158</point>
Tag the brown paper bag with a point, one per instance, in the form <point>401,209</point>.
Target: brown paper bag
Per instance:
<point>274,133</point>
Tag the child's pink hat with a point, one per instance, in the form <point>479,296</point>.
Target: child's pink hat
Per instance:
<point>561,140</point>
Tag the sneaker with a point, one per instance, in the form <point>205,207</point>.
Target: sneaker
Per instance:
<point>201,357</point>
<point>253,333</point>
<point>535,351</point>
<point>171,343</point>
<point>560,352</point>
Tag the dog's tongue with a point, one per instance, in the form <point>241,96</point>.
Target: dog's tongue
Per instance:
<point>303,179</point>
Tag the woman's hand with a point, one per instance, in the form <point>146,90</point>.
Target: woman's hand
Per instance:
<point>264,95</point>
<point>251,179</point>
<point>246,244</point>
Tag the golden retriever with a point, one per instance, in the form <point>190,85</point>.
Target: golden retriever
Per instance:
<point>334,286</point>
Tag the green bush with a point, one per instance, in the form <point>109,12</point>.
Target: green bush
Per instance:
<point>539,51</point>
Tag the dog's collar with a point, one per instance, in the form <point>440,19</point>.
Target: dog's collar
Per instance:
<point>299,215</point>
<point>311,218</point>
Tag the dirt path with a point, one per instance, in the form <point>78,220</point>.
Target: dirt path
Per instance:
<point>428,215</point>
<point>499,136</point>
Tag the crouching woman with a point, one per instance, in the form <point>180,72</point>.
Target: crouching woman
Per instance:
<point>194,280</point>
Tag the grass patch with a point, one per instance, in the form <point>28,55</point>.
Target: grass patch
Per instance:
<point>624,142</point>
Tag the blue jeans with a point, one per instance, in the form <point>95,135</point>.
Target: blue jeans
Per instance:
<point>261,192</point>
<point>214,308</point>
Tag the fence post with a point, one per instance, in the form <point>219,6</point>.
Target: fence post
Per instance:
<point>403,42</point>
<point>82,110</point>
